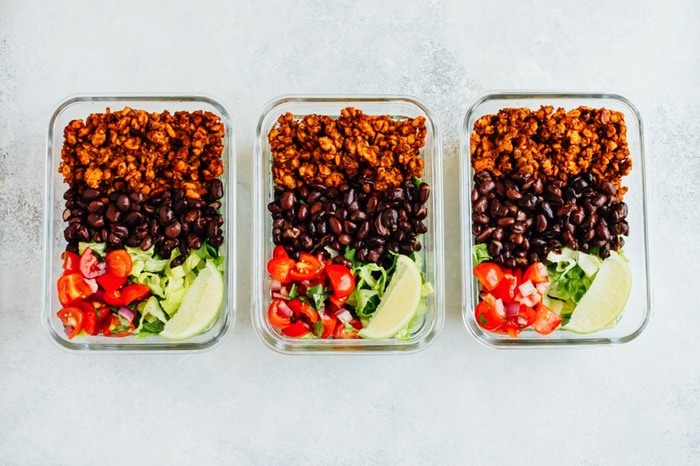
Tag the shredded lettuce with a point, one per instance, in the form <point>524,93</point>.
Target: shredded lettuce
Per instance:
<point>480,253</point>
<point>571,274</point>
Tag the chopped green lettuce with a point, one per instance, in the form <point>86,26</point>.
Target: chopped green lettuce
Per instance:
<point>480,253</point>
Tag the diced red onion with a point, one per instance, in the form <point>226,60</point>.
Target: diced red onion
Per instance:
<point>512,310</point>
<point>98,296</point>
<point>343,315</point>
<point>527,288</point>
<point>127,313</point>
<point>275,285</point>
<point>500,308</point>
<point>68,330</point>
<point>92,283</point>
<point>284,309</point>
<point>278,294</point>
<point>542,287</point>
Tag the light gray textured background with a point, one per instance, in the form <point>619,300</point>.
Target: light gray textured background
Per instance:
<point>455,402</point>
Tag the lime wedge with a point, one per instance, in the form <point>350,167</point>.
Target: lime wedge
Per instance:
<point>399,303</point>
<point>200,305</point>
<point>605,299</point>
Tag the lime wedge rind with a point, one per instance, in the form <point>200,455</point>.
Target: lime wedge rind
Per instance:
<point>399,303</point>
<point>605,300</point>
<point>200,306</point>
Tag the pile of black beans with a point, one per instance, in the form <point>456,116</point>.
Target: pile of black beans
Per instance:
<point>311,217</point>
<point>523,218</point>
<point>167,221</point>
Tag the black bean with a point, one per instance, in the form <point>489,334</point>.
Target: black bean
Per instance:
<point>424,192</point>
<point>484,235</point>
<point>96,206</point>
<point>513,194</point>
<point>173,229</point>
<point>480,205</point>
<point>96,220</point>
<point>90,194</point>
<point>335,225</point>
<point>495,248</point>
<point>547,210</point>
<point>123,203</point>
<point>475,195</point>
<point>288,200</point>
<point>503,221</point>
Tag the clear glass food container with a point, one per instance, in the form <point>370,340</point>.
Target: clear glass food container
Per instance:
<point>635,316</point>
<point>432,240</point>
<point>80,107</point>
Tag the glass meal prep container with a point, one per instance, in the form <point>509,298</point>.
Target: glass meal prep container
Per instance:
<point>80,107</point>
<point>397,107</point>
<point>632,321</point>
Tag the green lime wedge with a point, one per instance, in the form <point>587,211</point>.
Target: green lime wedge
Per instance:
<point>605,299</point>
<point>399,303</point>
<point>200,306</point>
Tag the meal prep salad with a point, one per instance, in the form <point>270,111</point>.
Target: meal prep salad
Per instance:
<point>549,219</point>
<point>144,224</point>
<point>347,215</point>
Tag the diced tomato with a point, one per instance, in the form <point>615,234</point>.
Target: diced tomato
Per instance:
<point>90,266</point>
<point>489,275</point>
<point>72,287</point>
<point>510,327</point>
<point>113,297</point>
<point>110,282</point>
<point>89,317</point>
<point>295,330</point>
<point>102,311</point>
<point>277,318</point>
<point>71,262</point>
<point>338,302</point>
<point>506,288</point>
<point>341,279</point>
<point>526,316</point>
<point>342,331</point>
<point>134,292</point>
<point>546,321</point>
<point>329,323</point>
<point>490,313</point>
<point>536,273</point>
<point>303,308</point>
<point>307,267</point>
<point>279,251</point>
<point>113,327</point>
<point>119,262</point>
<point>279,268</point>
<point>71,316</point>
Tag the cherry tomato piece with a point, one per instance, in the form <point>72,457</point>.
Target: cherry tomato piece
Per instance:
<point>302,308</point>
<point>295,330</point>
<point>546,320</point>
<point>342,331</point>
<point>307,267</point>
<point>90,266</point>
<point>279,268</point>
<point>490,313</point>
<point>134,292</point>
<point>71,316</point>
<point>489,275</point>
<point>119,262</point>
<point>71,262</point>
<point>110,282</point>
<point>72,287</point>
<point>276,316</point>
<point>341,279</point>
<point>89,317</point>
<point>536,273</point>
<point>113,297</point>
<point>113,327</point>
<point>279,251</point>
<point>329,323</point>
